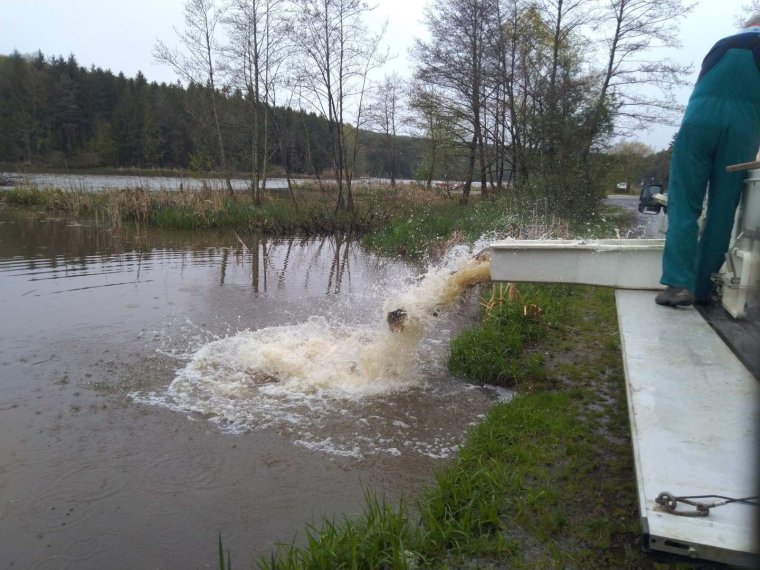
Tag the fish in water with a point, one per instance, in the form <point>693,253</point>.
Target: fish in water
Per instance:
<point>473,273</point>
<point>397,320</point>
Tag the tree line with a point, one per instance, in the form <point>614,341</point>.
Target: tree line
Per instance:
<point>55,113</point>
<point>519,94</point>
<point>535,91</point>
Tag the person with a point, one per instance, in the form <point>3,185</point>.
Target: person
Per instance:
<point>721,126</point>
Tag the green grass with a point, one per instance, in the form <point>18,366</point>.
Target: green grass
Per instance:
<point>222,558</point>
<point>25,196</point>
<point>431,227</point>
<point>380,538</point>
<point>497,351</point>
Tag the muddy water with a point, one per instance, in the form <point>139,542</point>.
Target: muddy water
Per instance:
<point>156,389</point>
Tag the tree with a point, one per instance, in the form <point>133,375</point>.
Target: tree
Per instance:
<point>15,116</point>
<point>386,114</point>
<point>127,127</point>
<point>629,162</point>
<point>542,92</point>
<point>750,8</point>
<point>636,84</point>
<point>435,125</point>
<point>68,112</point>
<point>196,63</point>
<point>454,61</point>
<point>335,54</point>
<point>256,52</point>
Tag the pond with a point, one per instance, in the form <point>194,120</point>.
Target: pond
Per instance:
<point>98,182</point>
<point>159,388</point>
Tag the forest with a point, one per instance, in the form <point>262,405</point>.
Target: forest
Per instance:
<point>527,94</point>
<point>55,113</point>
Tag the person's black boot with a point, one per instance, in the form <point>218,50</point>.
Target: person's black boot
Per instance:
<point>675,297</point>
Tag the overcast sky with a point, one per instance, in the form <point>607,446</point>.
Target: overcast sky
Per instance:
<point>120,35</point>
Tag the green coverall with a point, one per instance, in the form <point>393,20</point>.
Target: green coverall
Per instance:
<point>721,126</point>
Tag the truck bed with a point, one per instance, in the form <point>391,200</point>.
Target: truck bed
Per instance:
<point>694,409</point>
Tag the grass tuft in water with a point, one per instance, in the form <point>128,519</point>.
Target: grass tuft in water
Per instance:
<point>25,196</point>
<point>221,556</point>
<point>381,538</point>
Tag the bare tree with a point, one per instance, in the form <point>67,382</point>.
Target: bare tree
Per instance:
<point>748,9</point>
<point>257,51</point>
<point>636,84</point>
<point>195,61</point>
<point>385,113</point>
<point>522,54</point>
<point>336,53</point>
<point>454,61</point>
<point>531,101</point>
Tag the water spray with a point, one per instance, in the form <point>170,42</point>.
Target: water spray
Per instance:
<point>474,272</point>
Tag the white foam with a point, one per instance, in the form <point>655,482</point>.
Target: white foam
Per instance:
<point>302,378</point>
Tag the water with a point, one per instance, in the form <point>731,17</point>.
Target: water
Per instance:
<point>96,182</point>
<point>159,388</point>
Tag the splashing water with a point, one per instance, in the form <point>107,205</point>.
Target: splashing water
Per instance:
<point>299,378</point>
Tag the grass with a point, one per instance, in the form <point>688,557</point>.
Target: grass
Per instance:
<point>407,220</point>
<point>430,227</point>
<point>495,352</point>
<point>380,538</point>
<point>222,558</point>
<point>312,213</point>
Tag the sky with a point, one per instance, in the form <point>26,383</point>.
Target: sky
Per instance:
<point>120,35</point>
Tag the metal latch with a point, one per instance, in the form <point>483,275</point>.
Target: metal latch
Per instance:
<point>669,502</point>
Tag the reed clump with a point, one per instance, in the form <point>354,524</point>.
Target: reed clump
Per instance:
<point>312,213</point>
<point>25,196</point>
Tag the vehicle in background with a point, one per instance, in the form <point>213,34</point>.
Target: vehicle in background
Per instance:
<point>652,199</point>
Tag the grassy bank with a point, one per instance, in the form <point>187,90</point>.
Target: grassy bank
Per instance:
<point>313,212</point>
<point>545,481</point>
<point>407,220</point>
<point>313,209</point>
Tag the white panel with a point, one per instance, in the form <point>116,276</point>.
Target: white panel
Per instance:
<point>624,264</point>
<point>694,411</point>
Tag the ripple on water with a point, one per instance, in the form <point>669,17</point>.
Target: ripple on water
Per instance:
<point>73,499</point>
<point>79,552</point>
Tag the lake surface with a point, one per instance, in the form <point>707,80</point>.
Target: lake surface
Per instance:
<point>96,182</point>
<point>159,388</point>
